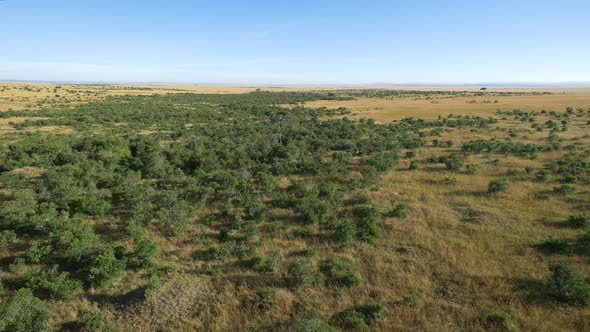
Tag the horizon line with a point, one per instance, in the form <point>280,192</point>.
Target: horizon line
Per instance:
<point>569,84</point>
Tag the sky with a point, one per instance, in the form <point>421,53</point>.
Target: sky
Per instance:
<point>295,42</point>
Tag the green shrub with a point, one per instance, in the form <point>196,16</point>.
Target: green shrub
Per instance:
<point>401,210</point>
<point>23,312</point>
<point>453,162</point>
<point>372,311</point>
<point>359,199</point>
<point>96,323</point>
<point>312,322</point>
<point>269,264</point>
<point>310,252</point>
<point>265,299</point>
<point>554,246</point>
<point>568,284</point>
<point>52,283</point>
<point>498,186</point>
<point>410,154</point>
<point>344,233</point>
<point>413,165</point>
<point>579,221</point>
<point>340,273</point>
<point>145,249</point>
<point>564,189</point>
<point>105,268</point>
<point>353,320</point>
<point>36,253</point>
<point>366,226</point>
<point>7,237</point>
<point>582,245</point>
<point>302,274</point>
<point>412,301</point>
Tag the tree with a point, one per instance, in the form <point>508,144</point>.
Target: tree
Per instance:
<point>105,268</point>
<point>498,186</point>
<point>23,312</point>
<point>568,284</point>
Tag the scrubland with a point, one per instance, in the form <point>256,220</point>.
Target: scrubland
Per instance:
<point>293,209</point>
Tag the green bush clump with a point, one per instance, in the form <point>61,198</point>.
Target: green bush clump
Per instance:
<point>344,233</point>
<point>568,284</point>
<point>360,318</point>
<point>564,189</point>
<point>145,249</point>
<point>7,237</point>
<point>554,246</point>
<point>453,162</point>
<point>367,217</point>
<point>582,245</point>
<point>372,311</point>
<point>353,320</point>
<point>498,186</point>
<point>52,283</point>
<point>401,210</point>
<point>413,165</point>
<point>265,299</point>
<point>311,321</point>
<point>23,312</point>
<point>105,267</point>
<point>340,273</point>
<point>302,274</point>
<point>579,221</point>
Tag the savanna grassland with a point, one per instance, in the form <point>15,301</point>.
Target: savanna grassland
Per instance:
<point>158,208</point>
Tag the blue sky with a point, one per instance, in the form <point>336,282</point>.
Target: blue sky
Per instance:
<point>296,42</point>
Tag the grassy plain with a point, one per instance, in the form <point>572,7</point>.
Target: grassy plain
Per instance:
<point>460,256</point>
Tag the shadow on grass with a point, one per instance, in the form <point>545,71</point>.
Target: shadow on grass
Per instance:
<point>130,298</point>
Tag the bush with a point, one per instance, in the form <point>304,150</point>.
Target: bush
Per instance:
<point>302,274</point>
<point>37,253</point>
<point>353,320</point>
<point>582,245</point>
<point>413,165</point>
<point>453,162</point>
<point>7,237</point>
<point>399,211</point>
<point>105,268</point>
<point>145,249</point>
<point>471,169</point>
<point>340,273</point>
<point>412,301</point>
<point>366,226</point>
<point>564,189</point>
<point>312,322</point>
<point>266,299</point>
<point>579,221</point>
<point>52,283</point>
<point>553,246</point>
<point>568,284</point>
<point>270,264</point>
<point>498,186</point>
<point>23,312</point>
<point>344,233</point>
<point>372,311</point>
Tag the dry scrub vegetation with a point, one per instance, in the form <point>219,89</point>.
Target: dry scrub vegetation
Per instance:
<point>216,209</point>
